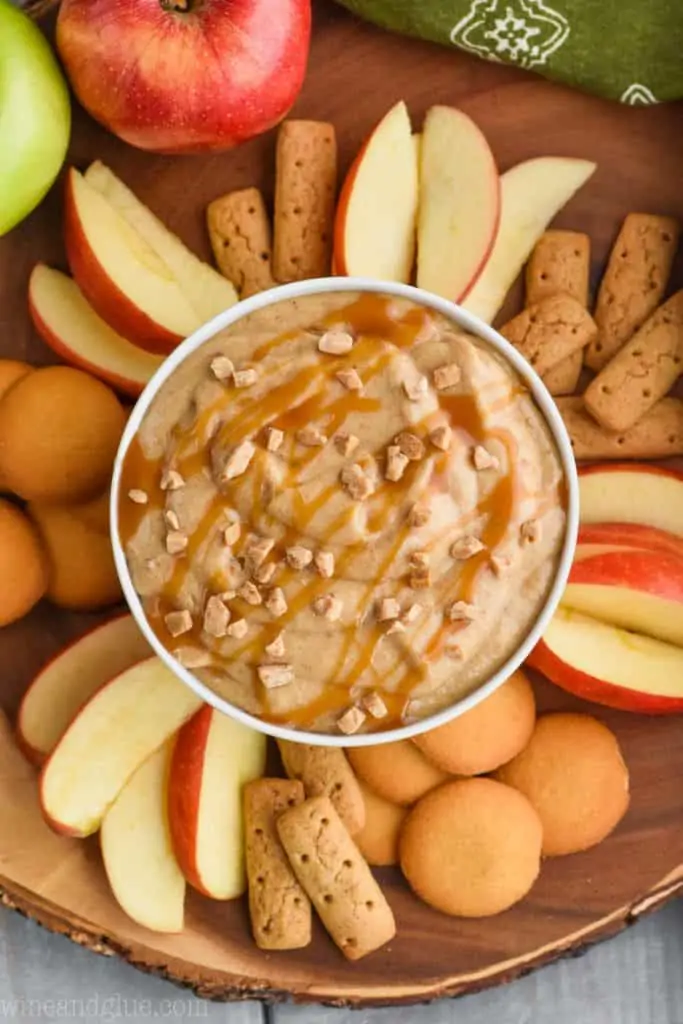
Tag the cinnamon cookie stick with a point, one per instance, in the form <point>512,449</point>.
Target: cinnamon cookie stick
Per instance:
<point>331,869</point>
<point>325,771</point>
<point>280,910</point>
<point>549,331</point>
<point>305,192</point>
<point>634,282</point>
<point>239,230</point>
<point>642,372</point>
<point>657,435</point>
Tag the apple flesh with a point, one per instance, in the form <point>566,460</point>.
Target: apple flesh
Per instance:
<point>610,666</point>
<point>213,758</point>
<point>459,203</point>
<point>208,292</point>
<point>61,688</point>
<point>637,590</point>
<point>137,852</point>
<point>35,116</point>
<point>632,493</point>
<point>599,538</point>
<point>184,76</point>
<point>532,193</point>
<point>72,329</point>
<point>374,231</point>
<point>117,729</point>
<point>120,275</point>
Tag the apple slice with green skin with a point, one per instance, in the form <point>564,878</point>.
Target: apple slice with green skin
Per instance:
<point>459,203</point>
<point>137,852</point>
<point>69,679</point>
<point>213,758</point>
<point>35,116</point>
<point>610,666</point>
<point>601,538</point>
<point>208,292</point>
<point>632,492</point>
<point>72,329</point>
<point>532,193</point>
<point>124,722</point>
<point>120,274</point>
<point>374,230</point>
<point>637,590</point>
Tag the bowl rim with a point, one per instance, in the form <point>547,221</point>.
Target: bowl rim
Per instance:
<point>463,319</point>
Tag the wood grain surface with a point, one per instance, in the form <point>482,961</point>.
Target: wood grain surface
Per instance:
<point>356,73</point>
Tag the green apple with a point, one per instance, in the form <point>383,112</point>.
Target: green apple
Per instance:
<point>35,116</point>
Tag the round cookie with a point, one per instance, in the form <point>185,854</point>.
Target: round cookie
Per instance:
<point>398,771</point>
<point>59,431</point>
<point>378,839</point>
<point>487,736</point>
<point>471,848</point>
<point>573,773</point>
<point>82,573</point>
<point>23,565</point>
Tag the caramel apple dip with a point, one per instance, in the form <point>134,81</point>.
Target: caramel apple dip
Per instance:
<point>343,513</point>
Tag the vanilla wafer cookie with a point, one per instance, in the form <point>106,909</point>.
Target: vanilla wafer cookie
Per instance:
<point>550,330</point>
<point>280,910</point>
<point>239,230</point>
<point>331,869</point>
<point>634,282</point>
<point>325,771</point>
<point>305,190</point>
<point>641,372</point>
<point>657,435</point>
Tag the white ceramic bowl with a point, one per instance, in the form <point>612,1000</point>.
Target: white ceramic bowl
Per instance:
<point>462,319</point>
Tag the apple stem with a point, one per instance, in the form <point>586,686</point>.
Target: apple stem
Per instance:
<point>176,5</point>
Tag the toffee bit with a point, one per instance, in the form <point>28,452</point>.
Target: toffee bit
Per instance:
<point>410,445</point>
<point>274,439</point>
<point>238,461</point>
<point>222,368</point>
<point>245,378</point>
<point>176,542</point>
<point>178,623</point>
<point>461,611</point>
<point>530,531</point>
<point>256,551</point>
<point>311,437</point>
<point>137,496</point>
<point>276,602</point>
<point>441,437</point>
<point>231,534</point>
<point>446,376</point>
<point>276,648</point>
<point>412,613</point>
<point>389,609</point>
<point>454,652</point>
<point>419,515</point>
<point>416,389</point>
<point>216,617</point>
<point>324,563</point>
<point>418,560</point>
<point>396,627</point>
<point>327,606</point>
<point>351,721</point>
<point>355,482</point>
<point>250,593</point>
<point>298,557</point>
<point>350,379</point>
<point>265,573</point>
<point>374,705</point>
<point>466,547</point>
<point>192,657</point>
<point>500,564</point>
<point>171,480</point>
<point>335,343</point>
<point>238,629</point>
<point>171,519</point>
<point>397,463</point>
<point>274,676</point>
<point>483,459</point>
<point>345,444</point>
<point>419,579</point>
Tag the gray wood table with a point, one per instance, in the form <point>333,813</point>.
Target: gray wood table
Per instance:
<point>637,978</point>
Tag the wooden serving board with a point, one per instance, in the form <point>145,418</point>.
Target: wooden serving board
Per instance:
<point>356,72</point>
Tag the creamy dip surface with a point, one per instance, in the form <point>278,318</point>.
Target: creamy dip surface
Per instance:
<point>343,513</point>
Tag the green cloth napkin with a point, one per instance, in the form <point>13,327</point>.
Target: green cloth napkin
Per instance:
<point>628,50</point>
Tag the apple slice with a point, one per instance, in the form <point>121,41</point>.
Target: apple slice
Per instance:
<point>214,757</point>
<point>459,203</point>
<point>638,590</point>
<point>137,852</point>
<point>374,230</point>
<point>114,732</point>
<point>120,275</point>
<point>632,492</point>
<point>610,666</point>
<point>532,193</point>
<point>601,538</point>
<point>72,329</point>
<point>70,678</point>
<point>209,293</point>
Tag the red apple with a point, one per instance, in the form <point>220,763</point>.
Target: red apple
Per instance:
<point>637,590</point>
<point>609,666</point>
<point>185,76</point>
<point>600,538</point>
<point>632,492</point>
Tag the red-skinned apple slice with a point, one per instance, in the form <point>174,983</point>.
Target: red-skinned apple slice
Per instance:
<point>459,203</point>
<point>637,590</point>
<point>374,230</point>
<point>532,193</point>
<point>214,756</point>
<point>137,852</point>
<point>120,275</point>
<point>601,538</point>
<point>632,492</point>
<point>72,329</point>
<point>208,292</point>
<point>121,725</point>
<point>609,666</point>
<point>70,678</point>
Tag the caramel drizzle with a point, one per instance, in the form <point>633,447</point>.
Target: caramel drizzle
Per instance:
<point>301,400</point>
